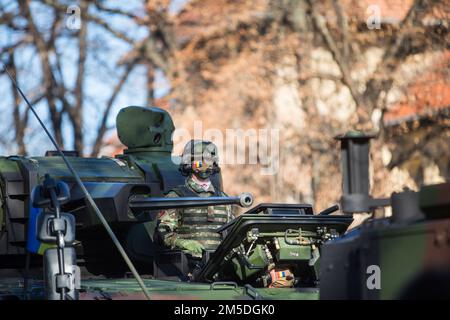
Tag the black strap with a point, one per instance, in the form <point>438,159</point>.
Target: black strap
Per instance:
<point>185,191</point>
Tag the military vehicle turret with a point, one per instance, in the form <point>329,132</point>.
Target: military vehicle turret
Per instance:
<point>54,246</point>
<point>44,212</point>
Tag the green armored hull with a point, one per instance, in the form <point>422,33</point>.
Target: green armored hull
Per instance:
<point>128,190</point>
<point>145,169</point>
<point>236,270</point>
<point>127,289</point>
<point>404,257</point>
<point>390,258</point>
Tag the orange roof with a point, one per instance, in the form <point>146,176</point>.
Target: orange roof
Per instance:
<point>429,94</point>
<point>200,15</point>
<point>390,10</point>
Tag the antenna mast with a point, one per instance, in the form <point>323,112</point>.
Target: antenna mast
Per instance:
<point>84,190</point>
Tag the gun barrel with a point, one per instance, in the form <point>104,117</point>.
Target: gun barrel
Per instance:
<point>143,204</point>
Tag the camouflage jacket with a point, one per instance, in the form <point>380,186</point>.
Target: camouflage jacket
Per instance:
<point>197,224</point>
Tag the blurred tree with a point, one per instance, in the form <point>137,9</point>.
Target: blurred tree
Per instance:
<point>42,27</point>
<point>311,69</point>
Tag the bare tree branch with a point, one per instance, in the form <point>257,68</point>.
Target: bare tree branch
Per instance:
<point>321,25</point>
<point>150,85</point>
<point>93,18</point>
<point>77,110</point>
<point>382,78</point>
<point>149,48</point>
<point>107,27</point>
<point>343,26</point>
<point>102,128</point>
<point>19,121</point>
<point>161,25</point>
<point>47,72</point>
<point>7,49</point>
<point>101,7</point>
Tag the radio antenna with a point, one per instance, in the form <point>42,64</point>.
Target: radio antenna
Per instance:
<point>84,190</point>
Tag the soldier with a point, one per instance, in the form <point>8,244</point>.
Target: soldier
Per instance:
<point>194,229</point>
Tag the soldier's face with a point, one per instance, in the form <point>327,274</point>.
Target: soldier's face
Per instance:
<point>202,168</point>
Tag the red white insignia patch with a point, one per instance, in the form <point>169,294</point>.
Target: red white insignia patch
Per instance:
<point>161,214</point>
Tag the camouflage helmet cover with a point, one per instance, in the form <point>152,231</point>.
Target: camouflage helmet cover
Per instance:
<point>199,150</point>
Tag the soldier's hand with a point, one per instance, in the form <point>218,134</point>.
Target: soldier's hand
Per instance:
<point>194,247</point>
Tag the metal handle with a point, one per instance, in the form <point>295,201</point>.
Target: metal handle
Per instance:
<point>252,292</point>
<point>223,283</point>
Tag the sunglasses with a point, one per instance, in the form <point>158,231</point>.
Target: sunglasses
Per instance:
<point>201,164</point>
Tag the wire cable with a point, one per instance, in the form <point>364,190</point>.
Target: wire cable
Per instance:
<point>85,192</point>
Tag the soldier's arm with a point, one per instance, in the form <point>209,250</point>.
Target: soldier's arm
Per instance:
<point>169,221</point>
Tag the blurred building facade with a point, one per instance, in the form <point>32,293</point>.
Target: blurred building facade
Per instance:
<point>253,65</point>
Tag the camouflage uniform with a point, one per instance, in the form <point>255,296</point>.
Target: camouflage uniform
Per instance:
<point>179,227</point>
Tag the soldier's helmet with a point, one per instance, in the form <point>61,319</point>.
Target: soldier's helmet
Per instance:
<point>201,157</point>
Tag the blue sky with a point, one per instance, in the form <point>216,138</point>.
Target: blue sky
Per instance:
<point>101,73</point>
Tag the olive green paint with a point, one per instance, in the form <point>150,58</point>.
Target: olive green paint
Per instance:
<point>405,245</point>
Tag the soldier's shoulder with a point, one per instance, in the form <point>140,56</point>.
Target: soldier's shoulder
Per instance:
<point>172,194</point>
<point>223,194</point>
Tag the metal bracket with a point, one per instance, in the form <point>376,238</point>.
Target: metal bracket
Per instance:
<point>225,285</point>
<point>252,292</point>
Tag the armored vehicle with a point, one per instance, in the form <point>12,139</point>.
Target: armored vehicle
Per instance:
<point>55,245</point>
<point>402,256</point>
